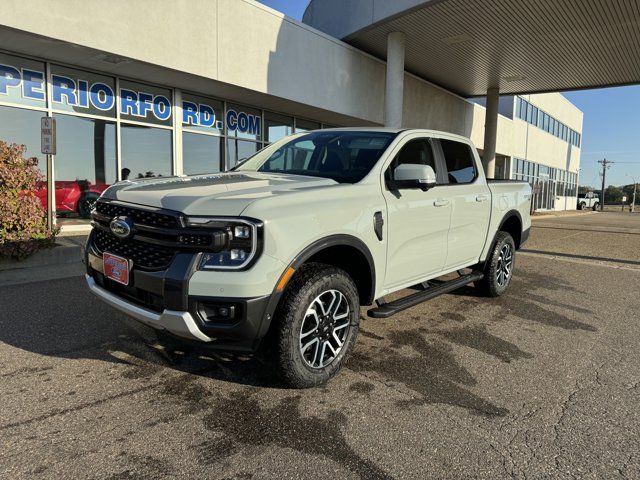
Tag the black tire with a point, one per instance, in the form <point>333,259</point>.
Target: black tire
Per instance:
<point>596,207</point>
<point>310,283</point>
<point>86,203</point>
<point>581,206</point>
<point>492,285</point>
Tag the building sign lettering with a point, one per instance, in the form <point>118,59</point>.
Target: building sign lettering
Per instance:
<point>81,93</point>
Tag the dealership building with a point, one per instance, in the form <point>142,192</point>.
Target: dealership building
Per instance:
<point>182,87</point>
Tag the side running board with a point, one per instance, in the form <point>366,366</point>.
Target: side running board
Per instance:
<point>385,310</point>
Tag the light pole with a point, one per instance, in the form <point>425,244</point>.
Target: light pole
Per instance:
<point>635,187</point>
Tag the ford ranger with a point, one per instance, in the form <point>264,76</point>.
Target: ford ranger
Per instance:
<point>282,251</point>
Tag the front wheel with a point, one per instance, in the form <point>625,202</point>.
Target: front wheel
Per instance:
<point>86,204</point>
<point>498,269</point>
<point>581,206</point>
<point>596,207</point>
<point>316,325</point>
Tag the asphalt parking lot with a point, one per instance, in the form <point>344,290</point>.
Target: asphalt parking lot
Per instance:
<point>541,383</point>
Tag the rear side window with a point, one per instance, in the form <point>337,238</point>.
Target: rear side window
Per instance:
<point>459,160</point>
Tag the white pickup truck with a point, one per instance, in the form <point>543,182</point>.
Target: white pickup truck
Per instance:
<point>284,250</point>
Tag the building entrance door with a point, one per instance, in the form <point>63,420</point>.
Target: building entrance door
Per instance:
<point>546,195</point>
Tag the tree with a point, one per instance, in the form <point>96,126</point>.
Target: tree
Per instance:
<point>23,223</point>
<point>613,194</point>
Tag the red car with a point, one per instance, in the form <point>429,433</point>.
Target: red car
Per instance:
<point>73,196</point>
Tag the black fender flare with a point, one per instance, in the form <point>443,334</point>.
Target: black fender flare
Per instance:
<point>308,252</point>
<point>510,214</point>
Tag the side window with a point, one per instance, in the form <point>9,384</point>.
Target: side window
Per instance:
<point>417,152</point>
<point>460,162</point>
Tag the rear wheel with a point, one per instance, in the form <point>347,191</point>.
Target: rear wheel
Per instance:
<point>316,325</point>
<point>498,269</point>
<point>596,207</point>
<point>581,206</point>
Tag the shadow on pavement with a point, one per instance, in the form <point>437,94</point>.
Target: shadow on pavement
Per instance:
<point>60,318</point>
<point>583,257</point>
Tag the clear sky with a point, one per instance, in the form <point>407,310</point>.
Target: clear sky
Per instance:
<point>611,130</point>
<point>611,121</point>
<point>292,8</point>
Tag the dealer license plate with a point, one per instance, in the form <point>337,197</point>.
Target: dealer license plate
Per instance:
<point>116,268</point>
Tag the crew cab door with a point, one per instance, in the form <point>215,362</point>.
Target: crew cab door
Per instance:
<point>470,203</point>
<point>417,221</point>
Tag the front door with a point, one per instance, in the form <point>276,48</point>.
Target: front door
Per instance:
<point>418,222</point>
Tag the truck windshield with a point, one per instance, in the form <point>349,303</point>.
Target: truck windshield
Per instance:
<point>344,156</point>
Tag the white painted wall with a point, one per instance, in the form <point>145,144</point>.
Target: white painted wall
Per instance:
<point>247,47</point>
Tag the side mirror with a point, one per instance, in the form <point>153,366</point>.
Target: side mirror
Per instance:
<point>412,176</point>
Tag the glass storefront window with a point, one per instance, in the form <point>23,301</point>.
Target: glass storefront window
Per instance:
<point>145,103</point>
<point>277,126</point>
<point>22,82</point>
<point>82,92</point>
<point>243,122</point>
<point>201,153</point>
<point>22,127</point>
<point>85,163</point>
<point>202,114</point>
<point>238,150</point>
<point>146,152</point>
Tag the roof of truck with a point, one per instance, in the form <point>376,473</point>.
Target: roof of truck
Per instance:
<point>425,132</point>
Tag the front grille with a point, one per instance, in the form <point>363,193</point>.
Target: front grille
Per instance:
<point>146,256</point>
<point>145,217</point>
<point>157,235</point>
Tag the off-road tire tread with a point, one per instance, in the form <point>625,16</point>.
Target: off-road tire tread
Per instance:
<point>488,286</point>
<point>292,373</point>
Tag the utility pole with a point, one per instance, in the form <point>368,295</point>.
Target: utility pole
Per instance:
<point>605,164</point>
<point>635,187</point>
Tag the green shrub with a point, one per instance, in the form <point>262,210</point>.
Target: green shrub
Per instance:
<point>23,221</point>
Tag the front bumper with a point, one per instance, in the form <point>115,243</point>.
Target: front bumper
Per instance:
<point>175,300</point>
<point>179,323</point>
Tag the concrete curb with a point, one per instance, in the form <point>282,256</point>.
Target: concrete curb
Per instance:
<point>62,260</point>
<point>63,252</point>
<point>544,215</point>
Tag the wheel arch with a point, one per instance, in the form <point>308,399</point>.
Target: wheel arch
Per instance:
<point>324,250</point>
<point>348,253</point>
<point>512,224</point>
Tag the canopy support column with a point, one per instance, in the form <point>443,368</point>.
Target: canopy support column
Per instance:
<point>491,132</point>
<point>394,96</point>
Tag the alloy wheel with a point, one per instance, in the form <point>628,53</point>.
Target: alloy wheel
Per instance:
<point>505,265</point>
<point>324,329</point>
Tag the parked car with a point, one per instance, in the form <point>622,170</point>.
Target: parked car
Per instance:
<point>283,251</point>
<point>73,196</point>
<point>589,200</point>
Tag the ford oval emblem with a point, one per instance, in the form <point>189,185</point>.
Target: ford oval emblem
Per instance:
<point>121,227</point>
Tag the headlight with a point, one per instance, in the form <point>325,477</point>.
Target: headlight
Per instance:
<point>241,245</point>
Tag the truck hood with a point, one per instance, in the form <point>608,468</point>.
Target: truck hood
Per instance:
<point>219,194</point>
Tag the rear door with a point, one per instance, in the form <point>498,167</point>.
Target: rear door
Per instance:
<point>470,198</point>
<point>418,222</point>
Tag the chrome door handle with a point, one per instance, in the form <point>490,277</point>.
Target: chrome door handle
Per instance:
<point>440,202</point>
<point>482,198</point>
